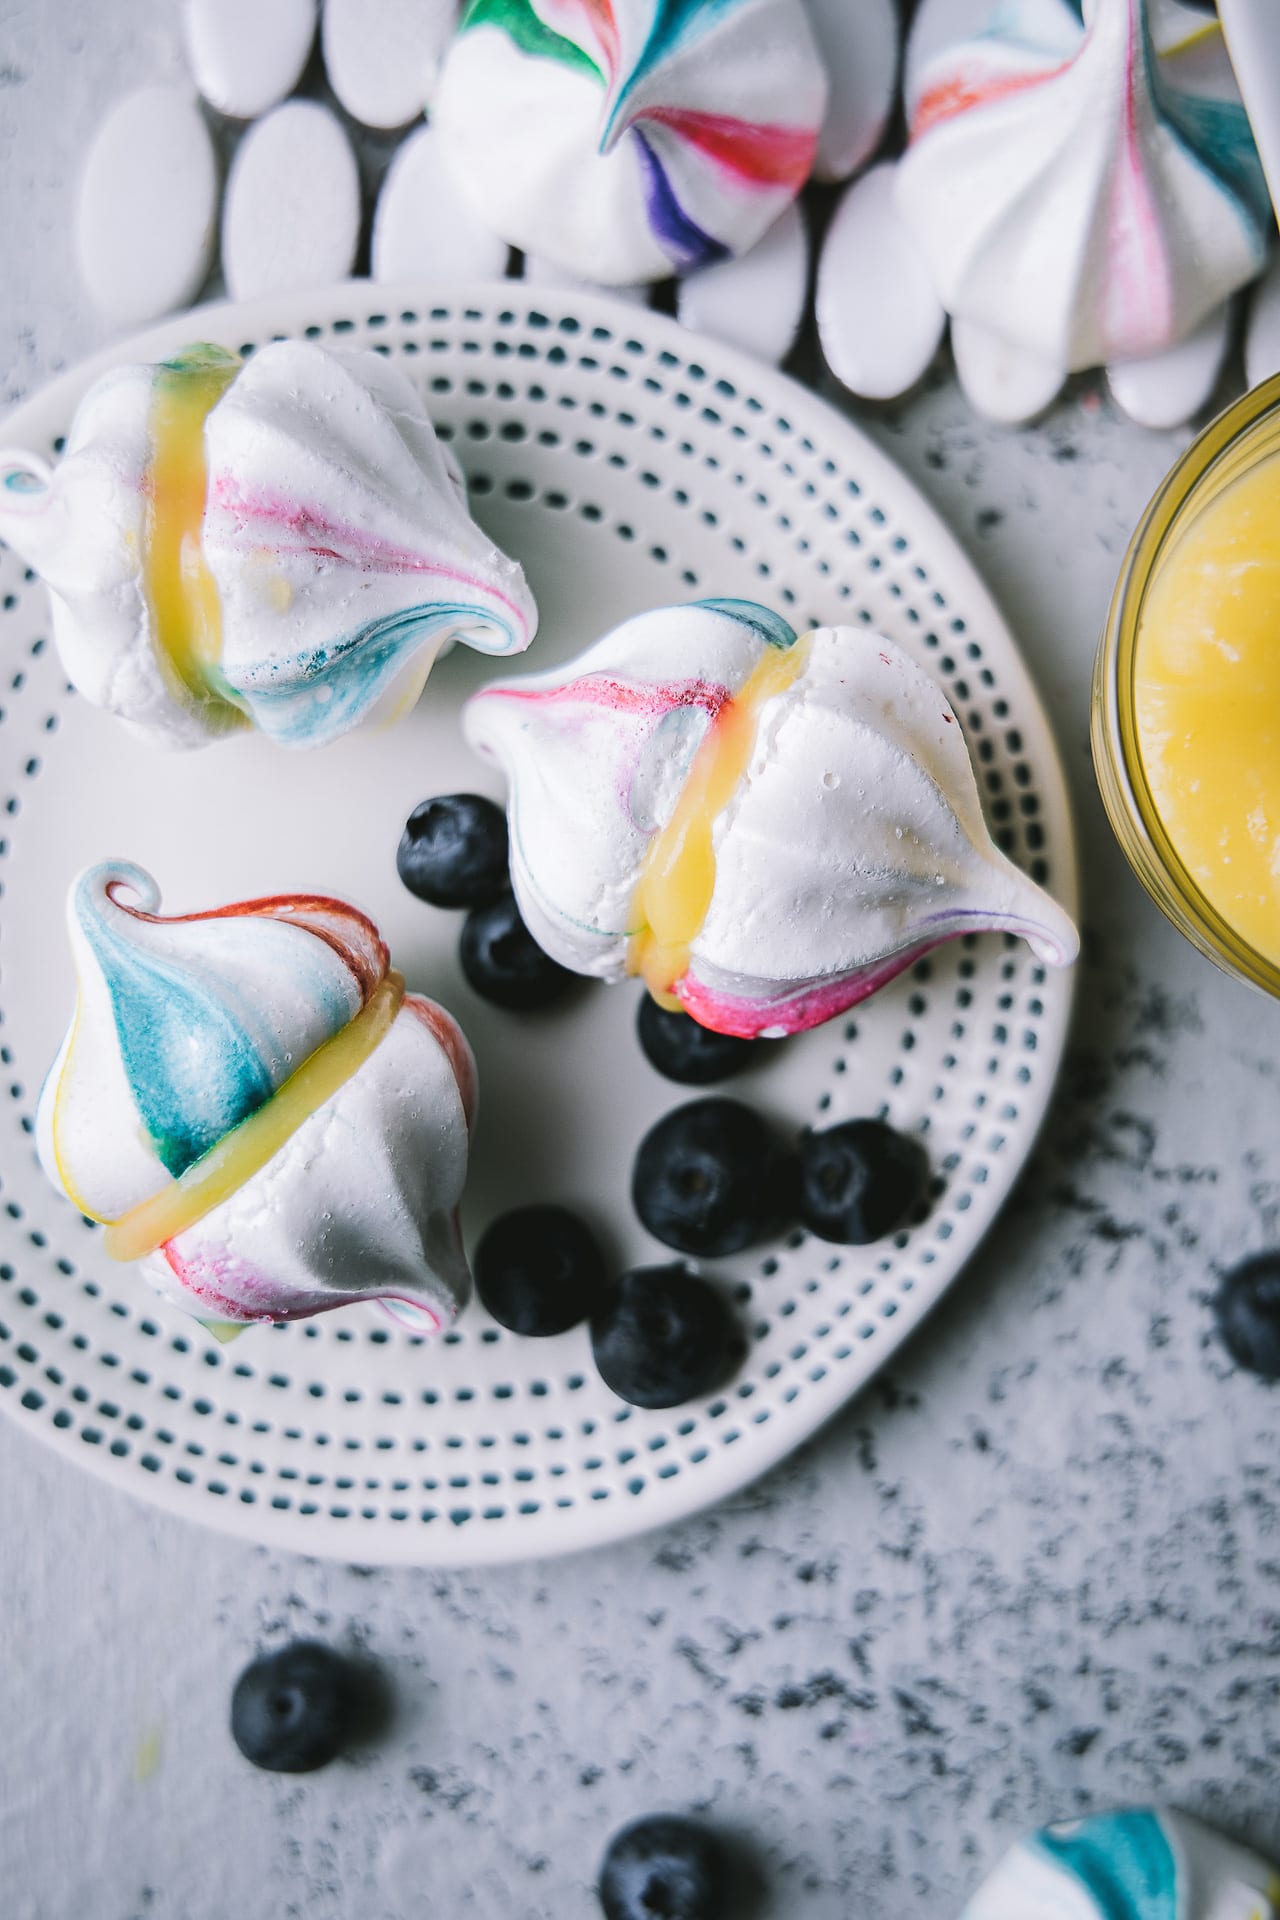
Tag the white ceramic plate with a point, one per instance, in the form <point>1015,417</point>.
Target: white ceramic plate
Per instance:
<point>628,464</point>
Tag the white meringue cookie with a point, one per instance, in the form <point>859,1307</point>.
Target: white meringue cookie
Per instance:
<point>185,1029</point>
<point>1139,1864</point>
<point>628,140</point>
<point>335,552</point>
<point>850,839</point>
<point>1086,189</point>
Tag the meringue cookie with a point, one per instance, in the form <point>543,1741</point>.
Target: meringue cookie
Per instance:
<point>629,140</point>
<point>281,542</point>
<point>1084,192</point>
<point>193,1038</point>
<point>1140,1864</point>
<point>767,828</point>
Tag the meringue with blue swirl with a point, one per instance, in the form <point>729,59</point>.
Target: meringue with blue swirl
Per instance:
<point>189,1028</point>
<point>281,542</point>
<point>1139,1863</point>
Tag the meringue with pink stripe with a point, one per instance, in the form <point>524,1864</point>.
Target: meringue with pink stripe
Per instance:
<point>1082,179</point>
<point>853,842</point>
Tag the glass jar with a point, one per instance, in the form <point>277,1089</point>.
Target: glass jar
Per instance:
<point>1229,447</point>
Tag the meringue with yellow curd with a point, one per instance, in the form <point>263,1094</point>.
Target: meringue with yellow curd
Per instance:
<point>280,542</point>
<point>252,1105</point>
<point>765,826</point>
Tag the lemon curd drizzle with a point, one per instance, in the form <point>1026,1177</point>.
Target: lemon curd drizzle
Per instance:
<point>181,594</point>
<point>673,895</point>
<point>221,1172</point>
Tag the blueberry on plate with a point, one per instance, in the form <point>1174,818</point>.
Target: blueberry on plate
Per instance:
<point>538,1270</point>
<point>453,851</point>
<point>859,1180</point>
<point>503,961</point>
<point>661,1336</point>
<point>682,1050</point>
<point>1247,1310</point>
<point>292,1711</point>
<point>664,1868</point>
<point>711,1178</point>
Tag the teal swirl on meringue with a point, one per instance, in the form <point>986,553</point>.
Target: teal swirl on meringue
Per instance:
<point>212,1013</point>
<point>1122,1860</point>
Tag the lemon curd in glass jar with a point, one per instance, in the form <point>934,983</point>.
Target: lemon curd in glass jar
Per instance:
<point>1186,722</point>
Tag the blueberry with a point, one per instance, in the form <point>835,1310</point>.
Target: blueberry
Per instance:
<point>710,1178</point>
<point>292,1710</point>
<point>664,1868</point>
<point>859,1181</point>
<point>1247,1309</point>
<point>453,851</point>
<point>682,1050</point>
<point>503,961</point>
<point>662,1336</point>
<point>538,1270</point>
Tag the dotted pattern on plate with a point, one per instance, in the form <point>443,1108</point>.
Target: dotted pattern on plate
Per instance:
<point>342,1436</point>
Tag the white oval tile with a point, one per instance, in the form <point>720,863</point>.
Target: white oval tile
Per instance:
<point>1003,382</point>
<point>756,301</point>
<point>147,209</point>
<point>1166,388</point>
<point>859,41</point>
<point>292,211</point>
<point>422,225</point>
<point>382,56</point>
<point>246,55</point>
<point>879,319</point>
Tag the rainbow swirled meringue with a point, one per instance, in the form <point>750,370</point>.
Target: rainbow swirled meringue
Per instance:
<point>766,827</point>
<point>256,1109</point>
<point>280,542</point>
<point>625,140</point>
<point>1081,188</point>
<point>1138,1864</point>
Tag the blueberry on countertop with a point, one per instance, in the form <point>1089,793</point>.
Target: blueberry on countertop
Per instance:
<point>1247,1309</point>
<point>453,851</point>
<point>292,1711</point>
<point>664,1868</point>
<point>661,1336</point>
<point>503,961</point>
<point>538,1270</point>
<point>682,1050</point>
<point>711,1178</point>
<point>859,1180</point>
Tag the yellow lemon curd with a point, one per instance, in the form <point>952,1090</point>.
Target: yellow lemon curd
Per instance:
<point>1206,692</point>
<point>679,874</point>
<point>186,615</point>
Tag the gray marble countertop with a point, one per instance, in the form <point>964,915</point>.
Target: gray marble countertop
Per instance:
<point>1035,1569</point>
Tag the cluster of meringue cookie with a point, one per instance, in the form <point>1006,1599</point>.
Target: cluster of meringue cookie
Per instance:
<point>1080,188</point>
<point>280,542</point>
<point>774,824</point>
<point>766,827</point>
<point>255,1108</point>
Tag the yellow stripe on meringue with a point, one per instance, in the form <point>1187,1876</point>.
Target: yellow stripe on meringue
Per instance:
<point>182,596</point>
<point>221,1172</point>
<point>673,895</point>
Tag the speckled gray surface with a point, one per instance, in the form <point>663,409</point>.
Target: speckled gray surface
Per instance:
<point>1036,1569</point>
